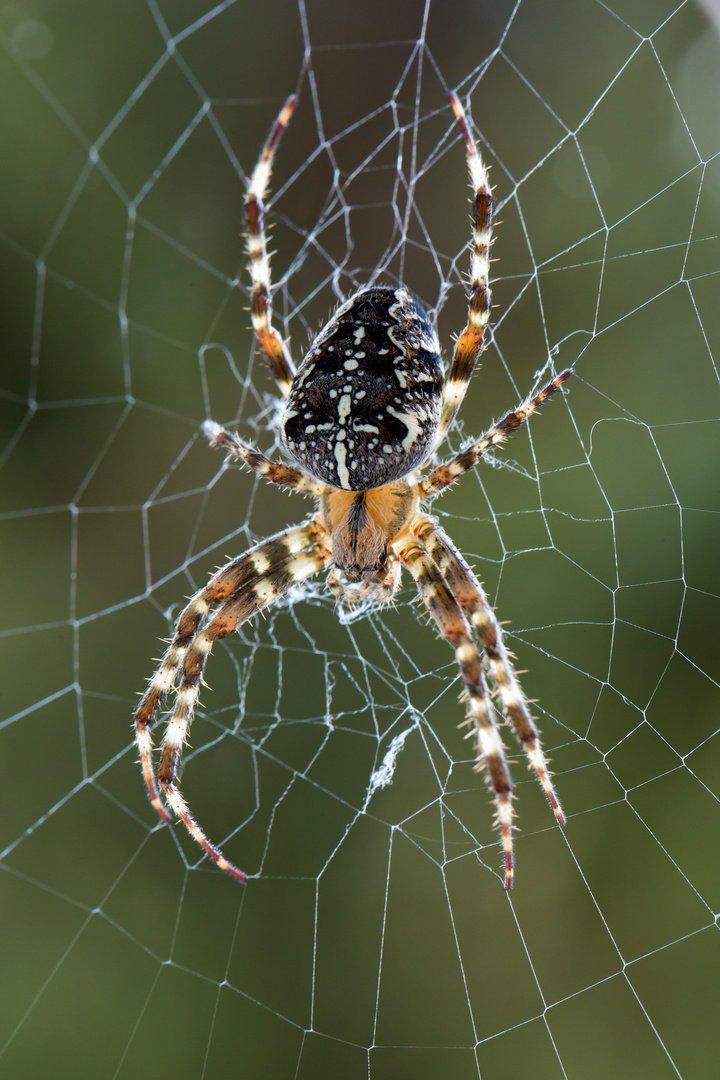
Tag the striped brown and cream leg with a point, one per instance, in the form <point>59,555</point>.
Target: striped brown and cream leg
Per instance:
<point>272,345</point>
<point>471,597</point>
<point>470,343</point>
<point>242,588</point>
<point>447,473</point>
<point>273,471</point>
<point>449,617</point>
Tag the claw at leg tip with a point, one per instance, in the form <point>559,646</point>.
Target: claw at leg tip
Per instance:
<point>232,870</point>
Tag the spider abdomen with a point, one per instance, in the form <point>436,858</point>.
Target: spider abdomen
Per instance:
<point>364,406</point>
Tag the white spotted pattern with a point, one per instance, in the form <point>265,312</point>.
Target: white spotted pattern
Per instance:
<point>364,406</point>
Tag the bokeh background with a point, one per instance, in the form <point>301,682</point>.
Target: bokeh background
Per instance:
<point>374,937</point>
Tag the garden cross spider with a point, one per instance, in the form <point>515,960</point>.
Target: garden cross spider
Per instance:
<point>362,414</point>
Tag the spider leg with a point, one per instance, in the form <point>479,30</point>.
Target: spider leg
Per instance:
<point>272,471</point>
<point>448,615</point>
<point>469,344</point>
<point>448,473</point>
<point>470,594</point>
<point>273,347</point>
<point>263,589</point>
<point>269,558</point>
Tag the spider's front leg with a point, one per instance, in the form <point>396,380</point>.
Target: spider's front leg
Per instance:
<point>448,615</point>
<point>471,597</point>
<point>242,588</point>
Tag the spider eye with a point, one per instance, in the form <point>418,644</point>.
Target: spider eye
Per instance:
<point>365,404</point>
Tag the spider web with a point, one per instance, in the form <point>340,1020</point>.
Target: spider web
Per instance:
<point>374,937</point>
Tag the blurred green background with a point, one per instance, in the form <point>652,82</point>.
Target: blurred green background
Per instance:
<point>374,937</point>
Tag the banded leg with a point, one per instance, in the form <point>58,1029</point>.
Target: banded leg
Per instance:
<point>469,344</point>
<point>271,557</point>
<point>263,589</point>
<point>448,615</point>
<point>273,347</point>
<point>448,473</point>
<point>272,471</point>
<point>470,594</point>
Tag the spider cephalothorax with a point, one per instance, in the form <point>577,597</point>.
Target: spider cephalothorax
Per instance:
<point>362,415</point>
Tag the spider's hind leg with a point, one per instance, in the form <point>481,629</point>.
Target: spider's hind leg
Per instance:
<point>273,347</point>
<point>470,343</point>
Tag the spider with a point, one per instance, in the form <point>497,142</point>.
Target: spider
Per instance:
<point>362,415</point>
